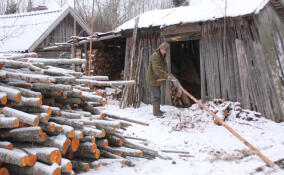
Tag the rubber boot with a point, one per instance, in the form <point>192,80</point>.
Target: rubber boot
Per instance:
<point>156,110</point>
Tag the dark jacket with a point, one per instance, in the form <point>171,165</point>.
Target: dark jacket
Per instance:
<point>157,69</point>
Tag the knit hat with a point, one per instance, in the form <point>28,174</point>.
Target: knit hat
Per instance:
<point>164,46</point>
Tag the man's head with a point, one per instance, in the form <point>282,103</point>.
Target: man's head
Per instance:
<point>164,48</point>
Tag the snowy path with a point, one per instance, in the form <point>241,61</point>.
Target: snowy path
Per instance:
<point>214,149</point>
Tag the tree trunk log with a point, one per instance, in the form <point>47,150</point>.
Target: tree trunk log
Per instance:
<point>6,145</point>
<point>71,122</point>
<point>56,61</point>
<point>87,147</point>
<point>48,155</point>
<point>80,166</point>
<point>98,78</point>
<point>43,117</point>
<point>29,134</point>
<point>79,134</point>
<point>27,101</point>
<point>3,98</point>
<point>102,143</point>
<point>104,83</point>
<point>89,131</point>
<point>9,122</point>
<point>66,166</point>
<point>124,118</point>
<point>38,168</point>
<point>71,115</point>
<point>22,116</point>
<point>88,155</point>
<point>12,157</point>
<point>61,142</point>
<point>115,141</point>
<point>88,139</point>
<point>12,94</point>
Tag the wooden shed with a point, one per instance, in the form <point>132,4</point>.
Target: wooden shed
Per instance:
<point>33,31</point>
<point>237,58</point>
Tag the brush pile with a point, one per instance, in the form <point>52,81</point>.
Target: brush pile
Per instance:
<point>50,123</point>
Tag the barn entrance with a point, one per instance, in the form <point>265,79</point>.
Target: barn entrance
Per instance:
<point>185,66</point>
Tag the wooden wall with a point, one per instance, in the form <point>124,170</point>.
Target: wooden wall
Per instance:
<point>60,34</point>
<point>251,72</point>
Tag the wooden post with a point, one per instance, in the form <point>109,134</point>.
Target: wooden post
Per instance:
<point>91,39</point>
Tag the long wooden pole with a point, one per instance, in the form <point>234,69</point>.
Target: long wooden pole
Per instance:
<point>91,39</point>
<point>218,120</point>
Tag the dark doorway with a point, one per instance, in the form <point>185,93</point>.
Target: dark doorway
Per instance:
<point>185,65</point>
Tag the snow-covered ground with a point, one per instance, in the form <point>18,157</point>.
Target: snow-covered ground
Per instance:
<point>213,150</point>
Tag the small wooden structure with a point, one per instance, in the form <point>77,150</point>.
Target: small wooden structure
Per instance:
<point>33,31</point>
<point>251,71</point>
<point>243,61</point>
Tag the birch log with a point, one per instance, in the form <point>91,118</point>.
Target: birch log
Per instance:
<point>12,94</point>
<point>22,116</point>
<point>11,157</point>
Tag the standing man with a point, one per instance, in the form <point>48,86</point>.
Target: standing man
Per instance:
<point>157,70</point>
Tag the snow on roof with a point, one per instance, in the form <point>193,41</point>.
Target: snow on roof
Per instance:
<point>24,32</point>
<point>196,13</point>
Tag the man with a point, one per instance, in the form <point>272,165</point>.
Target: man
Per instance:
<point>157,73</point>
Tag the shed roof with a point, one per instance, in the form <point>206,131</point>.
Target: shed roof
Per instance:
<point>24,32</point>
<point>197,13</point>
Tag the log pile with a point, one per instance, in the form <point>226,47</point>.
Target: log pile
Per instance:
<point>179,99</point>
<point>109,61</point>
<point>49,123</point>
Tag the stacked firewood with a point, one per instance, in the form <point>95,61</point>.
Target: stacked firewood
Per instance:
<point>109,61</point>
<point>49,123</point>
<point>179,99</point>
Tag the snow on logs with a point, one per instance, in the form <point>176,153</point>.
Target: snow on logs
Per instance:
<point>48,113</point>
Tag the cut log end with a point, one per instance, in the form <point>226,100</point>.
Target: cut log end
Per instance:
<point>36,122</point>
<point>4,100</point>
<point>87,168</point>
<point>72,134</point>
<point>66,145</point>
<point>25,161</point>
<point>103,134</point>
<point>123,162</point>
<point>59,93</point>
<point>75,144</point>
<point>32,159</point>
<point>69,167</point>
<point>121,142</point>
<point>10,147</point>
<point>94,148</point>
<point>102,116</point>
<point>98,153</point>
<point>18,97</point>
<point>16,123</point>
<point>39,103</point>
<point>57,171</point>
<point>49,111</point>
<point>43,137</point>
<point>4,171</point>
<point>106,144</point>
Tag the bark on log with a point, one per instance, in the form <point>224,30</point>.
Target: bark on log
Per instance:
<point>38,168</point>
<point>80,166</point>
<point>9,122</point>
<point>90,97</point>
<point>48,155</point>
<point>28,101</point>
<point>61,142</point>
<point>51,87</point>
<point>52,94</point>
<point>12,94</point>
<point>110,130</point>
<point>104,83</point>
<point>49,101</point>
<point>32,157</point>
<point>115,141</point>
<point>102,143</point>
<point>22,116</point>
<point>124,118</point>
<point>74,94</point>
<point>90,131</point>
<point>29,93</point>
<point>95,164</point>
<point>98,78</point>
<point>101,124</point>
<point>71,115</point>
<point>79,134</point>
<point>47,127</point>
<point>28,77</point>
<point>83,113</point>
<point>87,107</point>
<point>71,122</point>
<point>107,154</point>
<point>69,100</point>
<point>87,147</point>
<point>43,117</point>
<point>88,139</point>
<point>88,155</point>
<point>63,79</point>
<point>19,64</point>
<point>106,162</point>
<point>12,157</point>
<point>40,109</point>
<point>6,145</point>
<point>29,134</point>
<point>3,98</point>
<point>57,61</point>
<point>66,166</point>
